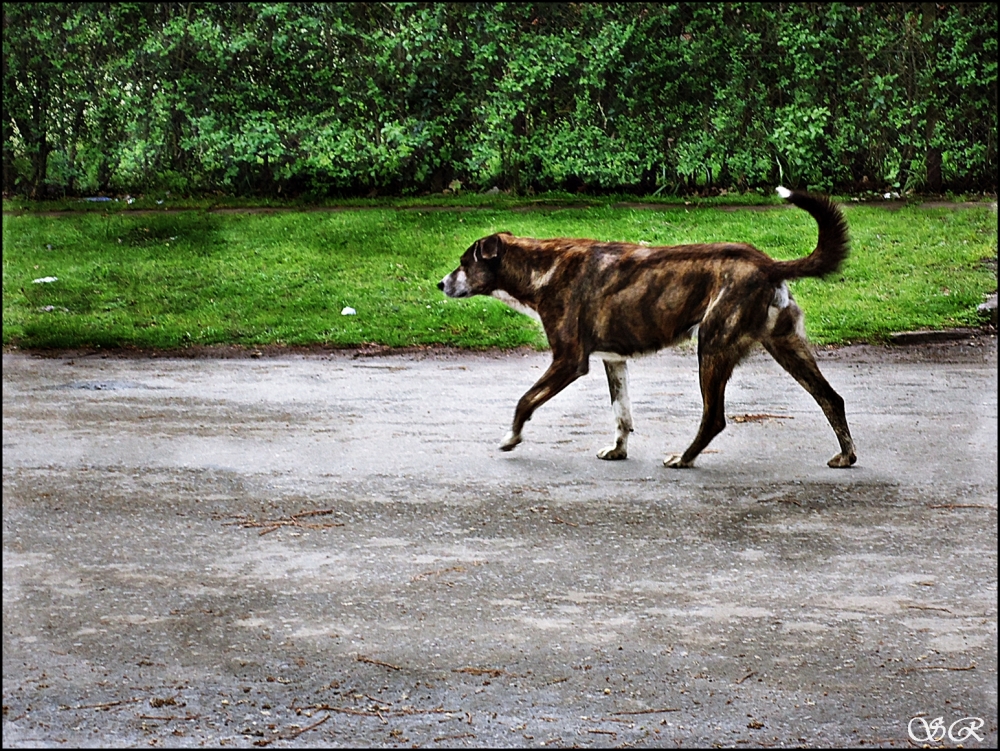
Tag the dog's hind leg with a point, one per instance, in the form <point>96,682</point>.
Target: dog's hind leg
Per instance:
<point>617,371</point>
<point>792,352</point>
<point>722,343</point>
<point>714,371</point>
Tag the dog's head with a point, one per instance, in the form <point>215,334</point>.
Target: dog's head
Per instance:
<point>477,270</point>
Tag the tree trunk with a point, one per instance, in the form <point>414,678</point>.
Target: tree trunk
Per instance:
<point>933,160</point>
<point>75,136</point>
<point>40,147</point>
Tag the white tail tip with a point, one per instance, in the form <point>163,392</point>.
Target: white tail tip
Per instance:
<point>782,191</point>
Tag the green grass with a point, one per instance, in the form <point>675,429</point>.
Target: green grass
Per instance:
<point>165,280</point>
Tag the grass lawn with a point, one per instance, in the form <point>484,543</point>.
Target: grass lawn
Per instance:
<point>165,280</point>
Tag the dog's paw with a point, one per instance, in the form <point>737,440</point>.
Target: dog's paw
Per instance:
<point>841,461</point>
<point>674,460</point>
<point>612,453</point>
<point>510,441</point>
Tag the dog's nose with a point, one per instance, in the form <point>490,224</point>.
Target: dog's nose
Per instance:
<point>441,285</point>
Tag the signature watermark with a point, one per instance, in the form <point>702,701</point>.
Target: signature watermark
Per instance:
<point>934,731</point>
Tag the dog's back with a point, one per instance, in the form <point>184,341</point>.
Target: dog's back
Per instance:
<point>630,299</point>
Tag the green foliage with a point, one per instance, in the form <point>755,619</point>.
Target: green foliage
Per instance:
<point>320,99</point>
<point>164,280</point>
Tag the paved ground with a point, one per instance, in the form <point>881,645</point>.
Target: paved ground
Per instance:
<point>452,595</point>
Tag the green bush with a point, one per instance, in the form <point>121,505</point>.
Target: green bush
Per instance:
<point>362,98</point>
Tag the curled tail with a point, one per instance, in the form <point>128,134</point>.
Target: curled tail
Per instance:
<point>833,244</point>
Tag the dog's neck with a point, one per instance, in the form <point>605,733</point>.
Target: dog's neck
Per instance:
<point>525,270</point>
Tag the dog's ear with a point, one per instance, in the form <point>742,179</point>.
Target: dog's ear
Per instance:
<point>490,247</point>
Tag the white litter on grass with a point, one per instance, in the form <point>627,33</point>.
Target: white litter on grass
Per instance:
<point>45,280</point>
<point>348,312</point>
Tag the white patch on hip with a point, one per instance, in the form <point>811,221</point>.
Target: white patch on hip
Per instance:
<point>781,300</point>
<point>781,297</point>
<point>513,302</point>
<point>713,302</point>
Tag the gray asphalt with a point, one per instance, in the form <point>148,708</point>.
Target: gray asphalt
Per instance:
<point>164,587</point>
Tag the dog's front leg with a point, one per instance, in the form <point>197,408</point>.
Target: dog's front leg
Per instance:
<point>560,374</point>
<point>617,371</point>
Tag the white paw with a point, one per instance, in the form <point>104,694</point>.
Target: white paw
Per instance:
<point>510,441</point>
<point>674,460</point>
<point>841,461</point>
<point>613,452</point>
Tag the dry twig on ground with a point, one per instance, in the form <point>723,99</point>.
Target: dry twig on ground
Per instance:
<point>295,520</point>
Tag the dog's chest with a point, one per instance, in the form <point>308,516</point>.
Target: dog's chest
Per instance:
<point>513,302</point>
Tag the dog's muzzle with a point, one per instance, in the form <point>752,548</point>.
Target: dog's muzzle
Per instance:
<point>456,284</point>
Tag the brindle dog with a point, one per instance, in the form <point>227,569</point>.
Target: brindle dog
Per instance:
<point>619,300</point>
